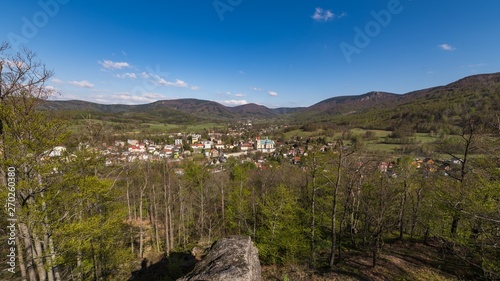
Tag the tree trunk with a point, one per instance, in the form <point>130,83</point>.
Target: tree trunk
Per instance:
<point>168,214</point>
<point>46,237</point>
<point>28,249</point>
<point>57,274</point>
<point>130,218</point>
<point>402,210</point>
<point>415,212</point>
<point>20,258</point>
<point>334,210</point>
<point>155,221</point>
<point>223,209</point>
<point>141,228</point>
<point>128,202</point>
<point>48,258</point>
<point>313,221</point>
<point>171,228</point>
<point>167,225</point>
<point>454,225</point>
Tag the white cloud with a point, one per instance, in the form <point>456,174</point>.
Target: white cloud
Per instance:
<point>145,75</point>
<point>128,98</point>
<point>195,88</point>
<point>82,84</point>
<point>447,47</point>
<point>108,64</point>
<point>153,96</point>
<point>322,15</point>
<point>178,83</point>
<point>51,91</point>
<point>256,89</point>
<point>161,81</point>
<point>240,95</point>
<point>57,81</point>
<point>233,102</point>
<point>272,93</point>
<point>127,75</point>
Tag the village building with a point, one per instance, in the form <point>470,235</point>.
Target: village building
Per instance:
<point>265,145</point>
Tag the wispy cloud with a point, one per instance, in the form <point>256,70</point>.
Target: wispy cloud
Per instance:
<point>178,83</point>
<point>322,15</point>
<point>195,88</point>
<point>127,75</point>
<point>163,82</point>
<point>126,97</point>
<point>447,47</point>
<point>256,89</point>
<point>240,95</point>
<point>82,84</point>
<point>233,102</point>
<point>153,96</point>
<point>476,65</point>
<point>108,64</point>
<point>57,81</point>
<point>272,93</point>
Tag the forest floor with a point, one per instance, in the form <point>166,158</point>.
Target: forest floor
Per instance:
<point>400,260</point>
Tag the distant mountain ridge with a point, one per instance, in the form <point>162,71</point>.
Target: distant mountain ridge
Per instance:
<point>471,88</point>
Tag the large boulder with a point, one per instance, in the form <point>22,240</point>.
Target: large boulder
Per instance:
<point>229,259</point>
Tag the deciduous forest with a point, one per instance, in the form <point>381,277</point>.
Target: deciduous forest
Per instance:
<point>79,219</point>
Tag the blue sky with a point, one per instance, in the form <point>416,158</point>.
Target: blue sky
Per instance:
<point>275,53</point>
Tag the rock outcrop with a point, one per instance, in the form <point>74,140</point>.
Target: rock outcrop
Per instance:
<point>229,259</point>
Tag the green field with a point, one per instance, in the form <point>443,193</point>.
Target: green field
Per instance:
<point>374,144</point>
<point>161,127</point>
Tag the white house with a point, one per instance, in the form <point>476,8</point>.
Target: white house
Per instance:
<point>208,145</point>
<point>266,145</point>
<point>133,142</point>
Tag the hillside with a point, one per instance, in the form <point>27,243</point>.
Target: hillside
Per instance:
<point>426,109</point>
<point>253,110</point>
<point>351,104</point>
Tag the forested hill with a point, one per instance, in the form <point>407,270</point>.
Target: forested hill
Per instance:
<point>433,109</point>
<point>425,109</point>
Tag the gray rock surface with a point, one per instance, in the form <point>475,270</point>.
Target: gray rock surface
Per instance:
<point>229,259</point>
